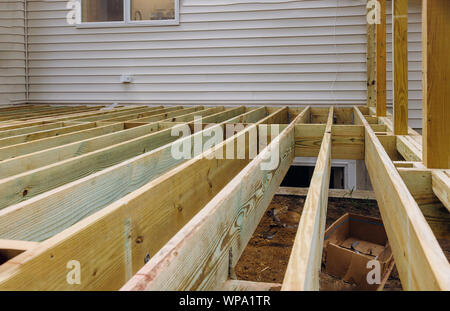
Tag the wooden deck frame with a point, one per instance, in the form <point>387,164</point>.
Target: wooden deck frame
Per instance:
<point>108,200</point>
<point>420,261</point>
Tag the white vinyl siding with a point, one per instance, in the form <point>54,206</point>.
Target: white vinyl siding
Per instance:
<point>12,52</point>
<point>227,52</point>
<point>223,52</point>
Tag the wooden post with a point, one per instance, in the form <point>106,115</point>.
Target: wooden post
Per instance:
<point>381,61</point>
<point>370,61</point>
<point>400,65</point>
<point>436,83</point>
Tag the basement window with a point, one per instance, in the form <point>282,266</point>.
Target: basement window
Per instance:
<point>343,173</point>
<point>117,13</point>
<point>300,176</point>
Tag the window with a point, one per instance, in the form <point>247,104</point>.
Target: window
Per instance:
<point>129,12</point>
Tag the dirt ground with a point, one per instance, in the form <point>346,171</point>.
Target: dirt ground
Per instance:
<point>266,257</point>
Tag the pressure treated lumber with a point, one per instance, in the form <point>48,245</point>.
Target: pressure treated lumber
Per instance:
<point>14,140</point>
<point>68,117</point>
<point>6,109</point>
<point>142,114</point>
<point>34,160</point>
<point>115,114</point>
<point>45,157</point>
<point>129,206</point>
<point>441,186</point>
<point>304,265</point>
<point>419,183</point>
<point>400,65</point>
<point>370,63</point>
<point>436,81</point>
<point>24,116</point>
<point>419,259</point>
<point>332,193</point>
<point>45,143</point>
<point>167,115</point>
<point>347,141</point>
<point>381,61</point>
<point>214,239</point>
<point>409,146</point>
<point>147,218</point>
<point>48,214</point>
<point>31,129</point>
<point>250,117</point>
<point>21,187</point>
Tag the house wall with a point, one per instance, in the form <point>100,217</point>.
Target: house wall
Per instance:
<point>223,52</point>
<point>12,52</point>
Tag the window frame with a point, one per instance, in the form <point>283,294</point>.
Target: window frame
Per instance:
<point>127,22</point>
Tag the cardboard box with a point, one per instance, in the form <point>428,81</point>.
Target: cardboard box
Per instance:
<point>350,243</point>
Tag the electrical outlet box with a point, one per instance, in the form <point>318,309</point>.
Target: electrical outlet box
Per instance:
<point>125,79</point>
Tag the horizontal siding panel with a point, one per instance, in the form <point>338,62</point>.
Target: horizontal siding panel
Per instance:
<point>130,53</point>
<point>12,52</point>
<point>206,96</point>
<point>217,87</point>
<point>181,70</point>
<point>210,78</point>
<point>223,51</point>
<point>246,51</point>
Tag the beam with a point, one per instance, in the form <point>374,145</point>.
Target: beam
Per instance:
<point>436,79</point>
<point>419,259</point>
<point>400,65</point>
<point>305,261</point>
<point>381,61</point>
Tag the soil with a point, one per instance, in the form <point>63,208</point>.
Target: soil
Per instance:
<point>267,254</point>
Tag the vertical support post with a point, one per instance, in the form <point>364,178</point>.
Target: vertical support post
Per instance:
<point>436,81</point>
<point>371,96</point>
<point>381,61</point>
<point>400,65</point>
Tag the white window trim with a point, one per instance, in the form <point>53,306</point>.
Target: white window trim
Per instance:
<point>127,22</point>
<point>348,165</point>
